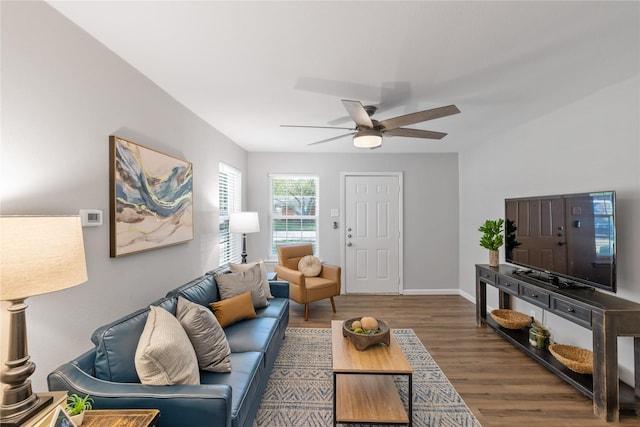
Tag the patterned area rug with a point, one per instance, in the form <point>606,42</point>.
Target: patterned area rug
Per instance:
<point>300,389</point>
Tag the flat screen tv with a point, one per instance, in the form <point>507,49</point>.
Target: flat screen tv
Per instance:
<point>565,240</point>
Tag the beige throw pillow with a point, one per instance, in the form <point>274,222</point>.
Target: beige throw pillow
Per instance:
<point>236,268</point>
<point>310,266</point>
<point>206,335</point>
<point>232,284</point>
<point>165,355</point>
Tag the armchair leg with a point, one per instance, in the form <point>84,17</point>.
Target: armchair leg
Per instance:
<point>306,311</point>
<point>333,304</point>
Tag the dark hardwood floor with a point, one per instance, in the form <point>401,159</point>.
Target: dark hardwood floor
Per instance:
<point>499,383</point>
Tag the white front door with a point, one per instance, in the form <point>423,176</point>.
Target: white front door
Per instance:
<point>372,233</point>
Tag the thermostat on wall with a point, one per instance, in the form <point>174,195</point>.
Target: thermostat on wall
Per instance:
<point>91,217</point>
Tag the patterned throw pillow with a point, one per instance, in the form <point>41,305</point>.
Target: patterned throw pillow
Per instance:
<point>164,355</point>
<point>206,336</point>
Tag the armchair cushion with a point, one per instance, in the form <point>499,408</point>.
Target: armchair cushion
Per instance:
<point>206,335</point>
<point>310,266</point>
<point>164,355</point>
<point>233,284</point>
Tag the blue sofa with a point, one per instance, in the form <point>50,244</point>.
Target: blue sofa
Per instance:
<point>107,372</point>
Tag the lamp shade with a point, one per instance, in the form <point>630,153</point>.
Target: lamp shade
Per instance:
<point>367,138</point>
<point>244,222</point>
<point>40,254</point>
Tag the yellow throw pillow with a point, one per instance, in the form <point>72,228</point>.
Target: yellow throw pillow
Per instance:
<point>234,309</point>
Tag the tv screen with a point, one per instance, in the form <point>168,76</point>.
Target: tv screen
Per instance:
<point>565,239</point>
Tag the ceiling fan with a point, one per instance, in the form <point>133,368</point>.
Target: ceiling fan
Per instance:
<point>368,132</point>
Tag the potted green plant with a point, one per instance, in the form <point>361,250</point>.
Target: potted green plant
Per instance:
<point>76,405</point>
<point>492,238</point>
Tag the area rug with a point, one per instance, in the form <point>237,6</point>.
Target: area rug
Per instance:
<point>300,389</point>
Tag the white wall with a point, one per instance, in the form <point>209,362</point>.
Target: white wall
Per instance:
<point>63,94</point>
<point>592,144</point>
<point>430,208</point>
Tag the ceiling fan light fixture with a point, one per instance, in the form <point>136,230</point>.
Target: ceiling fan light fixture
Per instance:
<point>367,138</point>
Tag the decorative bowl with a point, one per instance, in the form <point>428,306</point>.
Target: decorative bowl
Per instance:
<point>511,319</point>
<point>363,341</point>
<point>577,359</point>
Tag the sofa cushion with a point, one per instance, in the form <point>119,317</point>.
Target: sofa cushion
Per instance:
<point>164,355</point>
<point>252,335</point>
<point>206,336</point>
<point>117,341</point>
<point>236,268</point>
<point>232,284</point>
<point>276,308</point>
<point>246,380</point>
<point>234,309</point>
<point>310,266</point>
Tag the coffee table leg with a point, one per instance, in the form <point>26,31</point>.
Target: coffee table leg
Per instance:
<point>334,400</point>
<point>410,400</point>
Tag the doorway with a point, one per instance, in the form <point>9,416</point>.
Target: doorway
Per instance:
<point>372,232</point>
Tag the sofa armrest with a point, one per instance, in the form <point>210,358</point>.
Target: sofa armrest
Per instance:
<point>292,276</point>
<point>178,404</point>
<point>279,288</point>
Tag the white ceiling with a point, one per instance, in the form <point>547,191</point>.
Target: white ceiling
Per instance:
<point>248,67</point>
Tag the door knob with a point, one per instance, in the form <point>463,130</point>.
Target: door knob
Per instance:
<point>349,244</point>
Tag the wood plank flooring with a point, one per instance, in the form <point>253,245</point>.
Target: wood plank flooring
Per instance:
<point>499,383</point>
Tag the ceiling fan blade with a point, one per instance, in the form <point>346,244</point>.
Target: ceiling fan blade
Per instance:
<point>357,113</point>
<point>414,133</point>
<point>316,127</point>
<point>331,139</point>
<point>420,116</point>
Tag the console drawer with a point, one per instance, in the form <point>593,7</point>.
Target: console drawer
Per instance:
<point>534,295</point>
<point>508,285</point>
<point>572,311</point>
<point>487,276</point>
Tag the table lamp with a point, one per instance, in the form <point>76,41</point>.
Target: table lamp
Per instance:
<point>38,255</point>
<point>244,222</point>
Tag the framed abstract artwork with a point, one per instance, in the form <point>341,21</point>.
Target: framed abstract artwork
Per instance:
<point>150,198</point>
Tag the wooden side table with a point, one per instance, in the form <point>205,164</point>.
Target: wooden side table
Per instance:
<point>121,418</point>
<point>116,418</point>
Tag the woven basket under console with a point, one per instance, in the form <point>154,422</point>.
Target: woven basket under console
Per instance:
<point>577,359</point>
<point>511,319</point>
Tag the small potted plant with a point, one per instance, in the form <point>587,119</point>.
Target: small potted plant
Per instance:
<point>492,238</point>
<point>76,405</point>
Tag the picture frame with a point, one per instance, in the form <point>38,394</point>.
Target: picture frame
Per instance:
<point>61,418</point>
<point>150,198</point>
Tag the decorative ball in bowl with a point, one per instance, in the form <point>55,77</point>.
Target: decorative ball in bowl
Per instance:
<point>366,331</point>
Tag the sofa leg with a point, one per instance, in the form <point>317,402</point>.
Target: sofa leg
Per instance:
<point>333,304</point>
<point>306,311</point>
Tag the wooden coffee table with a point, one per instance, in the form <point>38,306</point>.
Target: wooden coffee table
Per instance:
<point>363,387</point>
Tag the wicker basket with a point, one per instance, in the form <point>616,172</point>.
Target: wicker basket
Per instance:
<point>577,359</point>
<point>511,319</point>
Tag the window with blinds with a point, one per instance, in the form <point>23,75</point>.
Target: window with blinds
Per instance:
<point>294,210</point>
<point>230,191</point>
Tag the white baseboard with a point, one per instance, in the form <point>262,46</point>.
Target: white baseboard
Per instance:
<point>439,292</point>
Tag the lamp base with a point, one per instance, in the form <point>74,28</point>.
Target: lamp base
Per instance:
<point>16,420</point>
